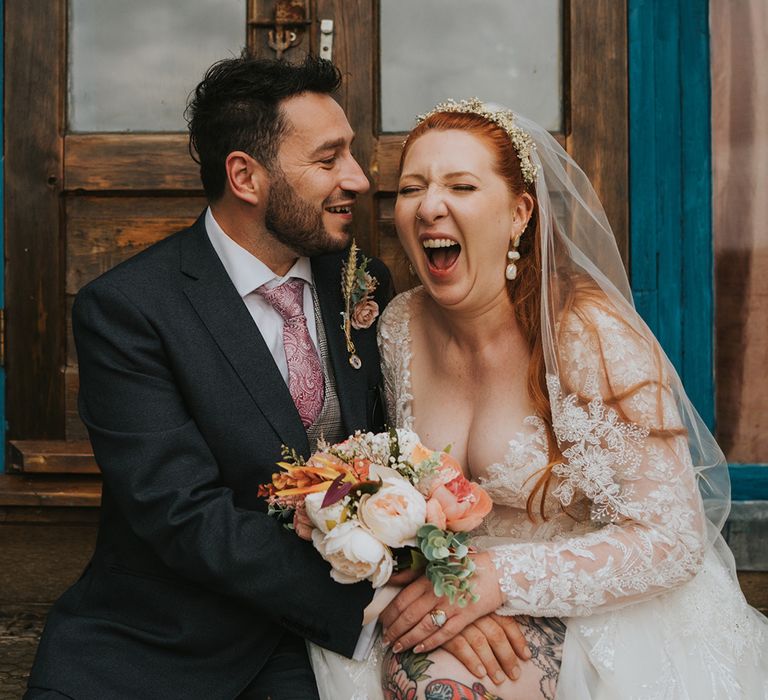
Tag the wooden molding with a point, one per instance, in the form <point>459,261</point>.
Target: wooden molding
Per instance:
<point>133,162</point>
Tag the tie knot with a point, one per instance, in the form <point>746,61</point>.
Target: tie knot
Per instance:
<point>287,299</point>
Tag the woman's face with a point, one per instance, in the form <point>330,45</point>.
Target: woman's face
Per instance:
<point>456,216</point>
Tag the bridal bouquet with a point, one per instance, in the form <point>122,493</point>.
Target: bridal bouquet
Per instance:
<point>375,497</point>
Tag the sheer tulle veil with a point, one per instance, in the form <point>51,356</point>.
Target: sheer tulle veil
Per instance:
<point>576,242</point>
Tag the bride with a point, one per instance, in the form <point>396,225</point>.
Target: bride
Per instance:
<point>523,350</point>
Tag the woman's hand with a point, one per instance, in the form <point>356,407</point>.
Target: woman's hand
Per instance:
<point>492,645</point>
<point>408,620</point>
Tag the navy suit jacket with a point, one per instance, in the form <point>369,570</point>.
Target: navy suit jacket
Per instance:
<point>191,584</point>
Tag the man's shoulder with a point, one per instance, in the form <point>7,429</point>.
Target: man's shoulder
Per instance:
<point>154,266</point>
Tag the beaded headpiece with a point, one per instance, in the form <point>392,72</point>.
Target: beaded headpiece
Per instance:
<point>521,140</point>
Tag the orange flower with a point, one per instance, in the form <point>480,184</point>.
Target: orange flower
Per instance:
<point>314,476</point>
<point>420,453</point>
<point>361,467</point>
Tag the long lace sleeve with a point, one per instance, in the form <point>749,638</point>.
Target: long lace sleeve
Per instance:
<point>626,454</point>
<point>395,352</point>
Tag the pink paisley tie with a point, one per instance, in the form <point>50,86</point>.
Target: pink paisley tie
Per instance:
<point>305,374</point>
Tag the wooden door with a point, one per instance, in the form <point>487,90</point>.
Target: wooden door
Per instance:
<point>78,203</point>
<point>594,126</point>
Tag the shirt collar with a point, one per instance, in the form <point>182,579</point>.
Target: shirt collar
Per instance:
<point>246,271</point>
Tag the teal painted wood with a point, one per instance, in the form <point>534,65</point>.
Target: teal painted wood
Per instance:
<point>671,241</point>
<point>2,236</point>
<point>670,185</point>
<point>698,242</point>
<point>749,482</point>
<point>642,161</point>
<point>665,46</point>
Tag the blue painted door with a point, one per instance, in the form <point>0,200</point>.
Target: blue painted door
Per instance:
<point>671,248</point>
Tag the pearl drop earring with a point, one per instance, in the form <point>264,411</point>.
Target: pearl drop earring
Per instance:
<point>512,255</point>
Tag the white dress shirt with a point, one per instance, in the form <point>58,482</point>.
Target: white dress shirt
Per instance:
<point>248,273</point>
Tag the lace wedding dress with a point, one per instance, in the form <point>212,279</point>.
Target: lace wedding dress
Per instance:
<point>625,557</point>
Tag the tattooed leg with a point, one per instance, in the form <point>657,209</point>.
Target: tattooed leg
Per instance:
<point>402,672</point>
<point>406,673</point>
<point>440,676</point>
<point>444,689</point>
<point>545,636</point>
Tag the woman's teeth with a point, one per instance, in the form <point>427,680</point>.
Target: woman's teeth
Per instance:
<point>438,243</point>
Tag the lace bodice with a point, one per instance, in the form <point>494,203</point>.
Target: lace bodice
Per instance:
<point>634,525</point>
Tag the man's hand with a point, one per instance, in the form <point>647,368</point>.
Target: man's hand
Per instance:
<point>407,621</point>
<point>492,645</point>
<point>301,523</point>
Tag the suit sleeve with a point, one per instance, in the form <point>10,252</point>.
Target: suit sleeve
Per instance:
<point>158,467</point>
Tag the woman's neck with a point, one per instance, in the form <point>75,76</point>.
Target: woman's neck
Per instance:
<point>481,326</point>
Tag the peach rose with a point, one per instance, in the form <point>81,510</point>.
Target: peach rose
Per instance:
<point>435,514</point>
<point>364,314</point>
<point>448,470</point>
<point>463,504</point>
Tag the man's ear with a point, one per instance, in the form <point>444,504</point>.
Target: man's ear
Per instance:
<point>247,179</point>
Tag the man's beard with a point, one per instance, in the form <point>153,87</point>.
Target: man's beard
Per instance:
<point>296,223</point>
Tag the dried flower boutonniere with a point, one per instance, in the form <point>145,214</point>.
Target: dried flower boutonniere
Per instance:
<point>360,310</point>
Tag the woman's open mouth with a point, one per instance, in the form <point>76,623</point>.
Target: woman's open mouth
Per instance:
<point>441,254</point>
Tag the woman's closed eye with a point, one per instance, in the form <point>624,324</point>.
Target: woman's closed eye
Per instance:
<point>409,189</point>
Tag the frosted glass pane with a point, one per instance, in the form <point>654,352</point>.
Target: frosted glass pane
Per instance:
<point>503,51</point>
<point>133,63</point>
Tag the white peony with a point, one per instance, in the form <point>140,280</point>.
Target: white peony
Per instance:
<point>354,554</point>
<point>395,512</point>
<point>324,519</point>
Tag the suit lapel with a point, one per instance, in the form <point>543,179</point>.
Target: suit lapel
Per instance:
<point>219,306</point>
<point>350,383</point>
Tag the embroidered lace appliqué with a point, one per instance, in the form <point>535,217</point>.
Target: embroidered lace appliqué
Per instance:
<point>601,450</point>
<point>395,350</point>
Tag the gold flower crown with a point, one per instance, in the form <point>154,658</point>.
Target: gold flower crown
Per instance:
<point>521,140</point>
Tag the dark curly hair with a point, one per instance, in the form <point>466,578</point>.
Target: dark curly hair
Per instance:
<point>236,107</point>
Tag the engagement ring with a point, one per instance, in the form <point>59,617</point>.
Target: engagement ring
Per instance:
<point>439,618</point>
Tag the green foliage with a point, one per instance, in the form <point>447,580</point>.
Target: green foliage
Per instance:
<point>291,456</point>
<point>283,513</point>
<point>394,445</point>
<point>449,566</point>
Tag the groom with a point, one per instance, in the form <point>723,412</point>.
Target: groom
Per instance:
<point>199,358</point>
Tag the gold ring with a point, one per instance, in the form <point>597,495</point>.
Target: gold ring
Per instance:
<point>438,617</point>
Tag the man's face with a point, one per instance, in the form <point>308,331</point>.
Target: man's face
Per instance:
<point>316,181</point>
